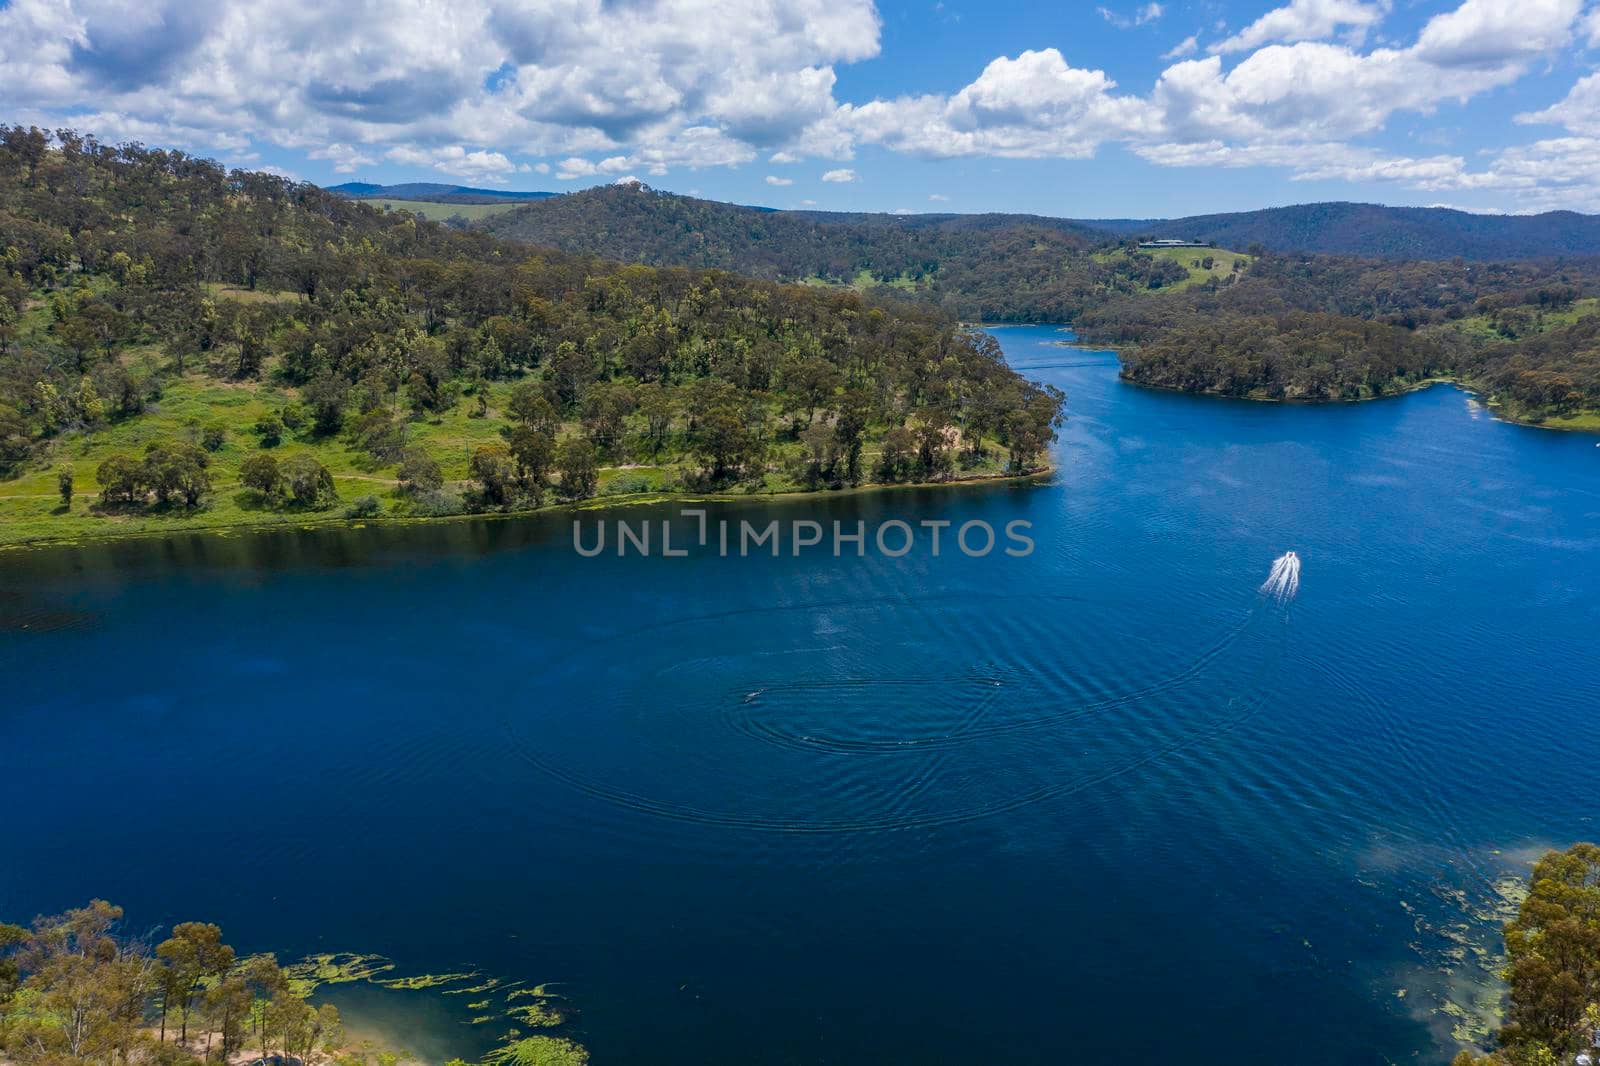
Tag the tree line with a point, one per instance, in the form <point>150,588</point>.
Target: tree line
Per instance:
<point>1280,329</point>
<point>1324,328</point>
<point>74,988</point>
<point>1553,965</point>
<point>79,989</point>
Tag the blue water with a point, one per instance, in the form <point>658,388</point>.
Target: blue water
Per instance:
<point>1099,804</point>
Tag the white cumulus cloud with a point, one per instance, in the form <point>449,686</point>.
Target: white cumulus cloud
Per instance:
<point>344,158</point>
<point>484,90</point>
<point>475,165</point>
<point>559,78</point>
<point>1035,105</point>
<point>1301,106</point>
<point>1579,111</point>
<point>1304,20</point>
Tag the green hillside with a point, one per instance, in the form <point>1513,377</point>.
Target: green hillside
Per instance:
<point>441,212</point>
<point>1377,231</point>
<point>183,346</point>
<point>991,268</point>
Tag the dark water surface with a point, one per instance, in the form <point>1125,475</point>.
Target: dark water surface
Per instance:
<point>1101,804</point>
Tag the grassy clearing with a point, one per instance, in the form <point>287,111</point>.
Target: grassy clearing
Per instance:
<point>436,212</point>
<point>1476,327</point>
<point>30,507</point>
<point>30,504</point>
<point>1190,259</point>
<point>31,511</point>
<point>1583,422</point>
<point>1579,309</point>
<point>1535,321</point>
<point>1589,423</point>
<point>863,280</point>
<point>218,291</point>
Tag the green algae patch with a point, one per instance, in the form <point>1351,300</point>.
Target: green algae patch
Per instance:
<point>1458,987</point>
<point>541,991</point>
<point>541,1015</point>
<point>541,1012</point>
<point>335,968</point>
<point>427,980</point>
<point>488,985</point>
<point>528,1007</point>
<point>538,1051</point>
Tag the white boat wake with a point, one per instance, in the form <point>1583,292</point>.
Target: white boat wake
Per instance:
<point>1284,580</point>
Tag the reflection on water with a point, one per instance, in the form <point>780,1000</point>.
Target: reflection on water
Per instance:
<point>921,809</point>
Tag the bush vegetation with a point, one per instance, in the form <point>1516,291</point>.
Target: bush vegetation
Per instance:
<point>164,320</point>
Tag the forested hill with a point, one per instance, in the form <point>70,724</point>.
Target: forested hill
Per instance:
<point>1527,334</point>
<point>636,224</point>
<point>632,222</point>
<point>1376,231</point>
<point>1414,306</point>
<point>186,343</point>
<point>979,267</point>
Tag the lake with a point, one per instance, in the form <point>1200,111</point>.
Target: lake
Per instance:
<point>1102,803</point>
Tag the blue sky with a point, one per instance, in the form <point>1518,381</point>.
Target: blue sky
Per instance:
<point>1134,109</point>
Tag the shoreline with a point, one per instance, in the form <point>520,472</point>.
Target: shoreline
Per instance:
<point>595,503</point>
<point>1496,408</point>
<point>1589,420</point>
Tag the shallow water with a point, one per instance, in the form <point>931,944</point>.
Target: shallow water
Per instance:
<point>1093,805</point>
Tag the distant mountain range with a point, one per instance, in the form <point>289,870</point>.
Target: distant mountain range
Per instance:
<point>1380,232</point>
<point>993,267</point>
<point>635,223</point>
<point>665,228</point>
<point>429,192</point>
